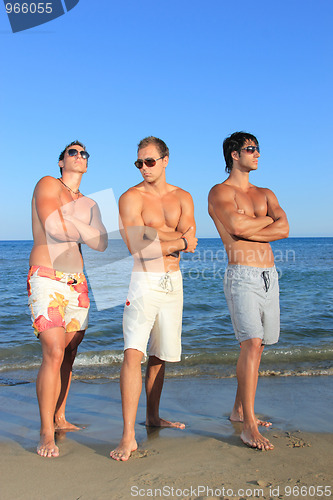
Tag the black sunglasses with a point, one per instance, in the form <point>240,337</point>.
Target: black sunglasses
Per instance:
<point>251,149</point>
<point>74,152</point>
<point>149,162</point>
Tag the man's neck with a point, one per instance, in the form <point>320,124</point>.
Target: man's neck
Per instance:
<point>240,179</point>
<point>72,180</point>
<point>158,187</point>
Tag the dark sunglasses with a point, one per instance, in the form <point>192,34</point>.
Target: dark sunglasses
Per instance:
<point>74,152</point>
<point>149,162</point>
<point>251,149</point>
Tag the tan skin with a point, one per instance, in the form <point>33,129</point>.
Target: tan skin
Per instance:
<point>154,216</point>
<point>247,219</point>
<point>61,221</point>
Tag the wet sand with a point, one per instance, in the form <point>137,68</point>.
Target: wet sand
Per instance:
<point>173,463</point>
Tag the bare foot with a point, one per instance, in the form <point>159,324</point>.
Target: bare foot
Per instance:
<point>263,423</point>
<point>47,447</point>
<point>124,450</point>
<point>160,422</point>
<point>253,438</point>
<point>61,424</point>
<point>238,417</point>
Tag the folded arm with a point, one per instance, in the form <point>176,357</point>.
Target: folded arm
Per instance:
<point>222,204</point>
<point>50,212</point>
<point>279,229</point>
<point>68,223</point>
<point>141,240</point>
<point>93,234</point>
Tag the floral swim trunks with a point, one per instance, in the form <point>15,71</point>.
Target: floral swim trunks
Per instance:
<point>57,299</point>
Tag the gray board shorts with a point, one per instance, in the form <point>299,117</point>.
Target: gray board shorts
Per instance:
<point>252,295</point>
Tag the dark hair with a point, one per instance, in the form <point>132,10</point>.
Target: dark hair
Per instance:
<point>161,146</point>
<point>62,154</point>
<point>235,142</point>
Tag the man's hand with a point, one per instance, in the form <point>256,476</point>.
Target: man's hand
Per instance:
<point>192,241</point>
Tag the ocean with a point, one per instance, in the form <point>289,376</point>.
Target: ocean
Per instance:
<point>210,350</point>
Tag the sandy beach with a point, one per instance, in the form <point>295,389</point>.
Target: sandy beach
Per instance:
<point>206,460</point>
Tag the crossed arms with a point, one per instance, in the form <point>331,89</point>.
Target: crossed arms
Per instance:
<point>151,243</point>
<point>78,221</point>
<point>270,227</point>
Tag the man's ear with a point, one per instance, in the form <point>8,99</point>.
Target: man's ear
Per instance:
<point>61,163</point>
<point>165,161</point>
<point>235,155</point>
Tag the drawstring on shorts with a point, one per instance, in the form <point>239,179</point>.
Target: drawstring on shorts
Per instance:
<point>166,283</point>
<point>266,278</point>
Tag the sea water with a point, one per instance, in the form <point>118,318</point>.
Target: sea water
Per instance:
<point>305,267</point>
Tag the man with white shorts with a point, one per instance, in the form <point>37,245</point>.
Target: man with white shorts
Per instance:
<point>157,223</point>
<point>247,219</point>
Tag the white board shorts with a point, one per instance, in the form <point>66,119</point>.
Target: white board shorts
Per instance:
<point>153,312</point>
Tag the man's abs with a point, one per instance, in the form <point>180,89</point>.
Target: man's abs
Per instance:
<point>65,257</point>
<point>245,253</point>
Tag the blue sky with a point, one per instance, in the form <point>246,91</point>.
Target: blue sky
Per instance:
<point>110,73</point>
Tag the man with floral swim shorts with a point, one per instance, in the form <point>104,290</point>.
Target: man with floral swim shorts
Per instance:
<point>62,219</point>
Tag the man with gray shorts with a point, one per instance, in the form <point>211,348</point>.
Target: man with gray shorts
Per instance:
<point>247,219</point>
<point>252,295</point>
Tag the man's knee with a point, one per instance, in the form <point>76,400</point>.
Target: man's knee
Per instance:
<point>154,360</point>
<point>132,356</point>
<point>54,355</point>
<point>74,339</point>
<point>252,346</point>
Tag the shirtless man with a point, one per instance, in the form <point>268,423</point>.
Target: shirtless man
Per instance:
<point>158,223</point>
<point>247,219</point>
<point>62,219</point>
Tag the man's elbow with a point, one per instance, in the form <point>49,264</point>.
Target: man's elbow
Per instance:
<point>237,231</point>
<point>240,230</point>
<point>103,243</point>
<point>286,230</point>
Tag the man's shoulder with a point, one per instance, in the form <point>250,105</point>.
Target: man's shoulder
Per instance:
<point>179,191</point>
<point>132,197</point>
<point>221,189</point>
<point>48,179</point>
<point>47,183</point>
<point>133,192</point>
<point>263,190</point>
<point>181,194</point>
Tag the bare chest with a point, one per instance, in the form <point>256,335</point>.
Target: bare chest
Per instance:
<point>161,212</point>
<point>79,208</point>
<point>253,202</point>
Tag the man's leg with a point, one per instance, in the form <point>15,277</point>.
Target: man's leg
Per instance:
<point>154,384</point>
<point>73,340</point>
<point>237,414</point>
<point>130,387</point>
<point>48,387</point>
<point>247,376</point>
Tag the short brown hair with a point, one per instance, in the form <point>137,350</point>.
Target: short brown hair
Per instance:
<point>161,146</point>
